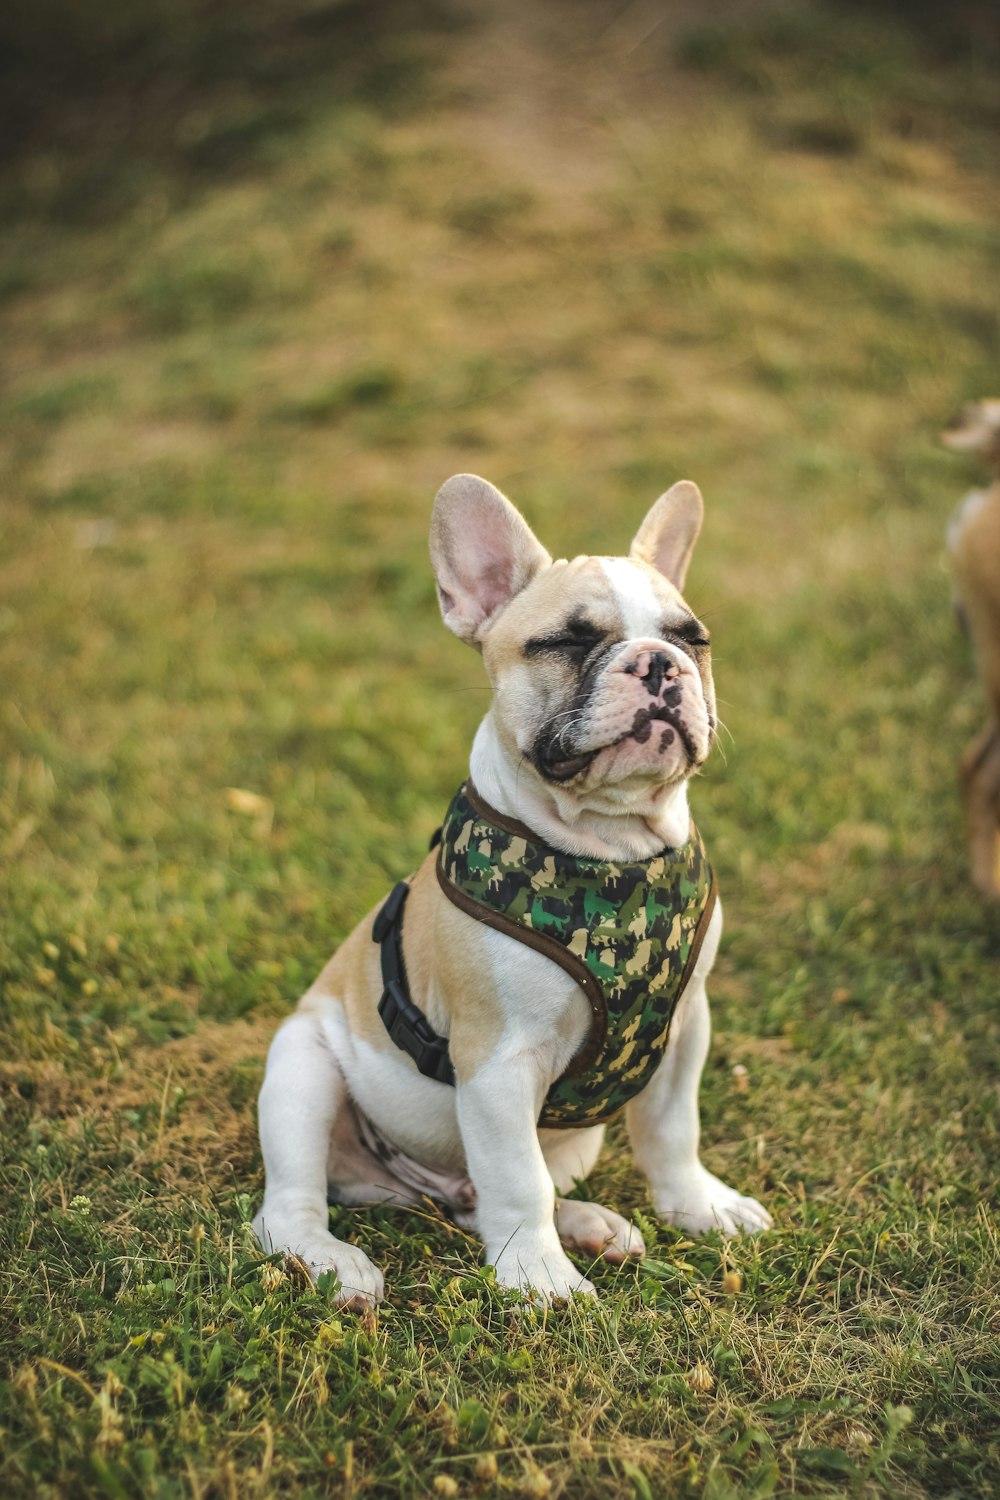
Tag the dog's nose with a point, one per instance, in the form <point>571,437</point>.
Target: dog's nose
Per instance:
<point>652,667</point>
<point>655,672</point>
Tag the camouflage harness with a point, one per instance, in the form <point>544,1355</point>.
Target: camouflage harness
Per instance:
<point>629,934</point>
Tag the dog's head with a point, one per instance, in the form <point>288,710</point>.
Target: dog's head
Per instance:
<point>601,673</point>
<point>976,429</point>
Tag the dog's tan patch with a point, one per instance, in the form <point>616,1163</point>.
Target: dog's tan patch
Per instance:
<point>450,971</point>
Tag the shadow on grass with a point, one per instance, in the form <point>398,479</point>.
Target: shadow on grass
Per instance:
<point>98,96</point>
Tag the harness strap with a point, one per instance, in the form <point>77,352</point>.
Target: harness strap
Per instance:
<point>406,1024</point>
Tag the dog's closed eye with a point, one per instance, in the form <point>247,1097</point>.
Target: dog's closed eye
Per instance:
<point>579,638</point>
<point>691,632</point>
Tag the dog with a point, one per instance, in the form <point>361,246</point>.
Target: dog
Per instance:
<point>471,1037</point>
<point>974,546</point>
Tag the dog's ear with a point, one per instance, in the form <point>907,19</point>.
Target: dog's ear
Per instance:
<point>483,552</point>
<point>976,429</point>
<point>667,536</point>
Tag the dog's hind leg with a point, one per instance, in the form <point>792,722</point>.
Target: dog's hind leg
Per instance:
<point>979,774</point>
<point>302,1103</point>
<point>587,1228</point>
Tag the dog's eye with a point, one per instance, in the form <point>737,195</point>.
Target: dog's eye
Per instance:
<point>578,641</point>
<point>692,632</point>
<point>573,642</point>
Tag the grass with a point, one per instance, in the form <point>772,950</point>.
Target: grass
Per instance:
<point>584,258</point>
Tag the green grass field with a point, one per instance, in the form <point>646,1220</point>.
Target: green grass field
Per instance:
<point>258,298</point>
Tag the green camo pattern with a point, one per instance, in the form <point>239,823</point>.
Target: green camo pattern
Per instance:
<point>632,925</point>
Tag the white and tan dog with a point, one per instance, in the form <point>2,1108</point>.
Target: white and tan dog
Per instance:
<point>974,545</point>
<point>581,655</point>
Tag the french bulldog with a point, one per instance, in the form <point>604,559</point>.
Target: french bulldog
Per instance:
<point>603,709</point>
<point>974,545</point>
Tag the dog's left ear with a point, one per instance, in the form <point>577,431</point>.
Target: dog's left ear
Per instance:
<point>667,536</point>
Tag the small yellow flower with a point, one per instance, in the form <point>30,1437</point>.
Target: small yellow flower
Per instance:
<point>701,1379</point>
<point>271,1277</point>
<point>732,1283</point>
<point>445,1485</point>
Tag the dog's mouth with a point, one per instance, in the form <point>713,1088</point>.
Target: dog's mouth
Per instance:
<point>662,719</point>
<point>565,770</point>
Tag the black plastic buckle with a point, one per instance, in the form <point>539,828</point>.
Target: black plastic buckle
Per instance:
<point>409,1028</point>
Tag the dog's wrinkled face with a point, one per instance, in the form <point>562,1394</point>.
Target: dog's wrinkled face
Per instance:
<point>602,675</point>
<point>601,672</point>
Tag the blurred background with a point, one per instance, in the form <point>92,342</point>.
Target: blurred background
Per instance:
<point>270,273</point>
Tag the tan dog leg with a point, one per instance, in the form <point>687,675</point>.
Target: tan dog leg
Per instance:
<point>979,776</point>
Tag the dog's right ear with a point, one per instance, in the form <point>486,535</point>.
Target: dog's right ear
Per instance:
<point>483,552</point>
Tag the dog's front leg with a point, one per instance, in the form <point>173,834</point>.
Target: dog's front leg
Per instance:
<point>664,1127</point>
<point>515,1197</point>
<point>303,1092</point>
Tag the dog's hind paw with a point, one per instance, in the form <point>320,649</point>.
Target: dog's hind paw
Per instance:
<point>592,1229</point>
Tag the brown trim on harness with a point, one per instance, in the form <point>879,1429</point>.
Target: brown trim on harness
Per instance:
<point>692,959</point>
<point>699,938</point>
<point>500,820</point>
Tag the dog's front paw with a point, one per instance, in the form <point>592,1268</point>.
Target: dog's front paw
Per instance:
<point>541,1272</point>
<point>698,1202</point>
<point>360,1283</point>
